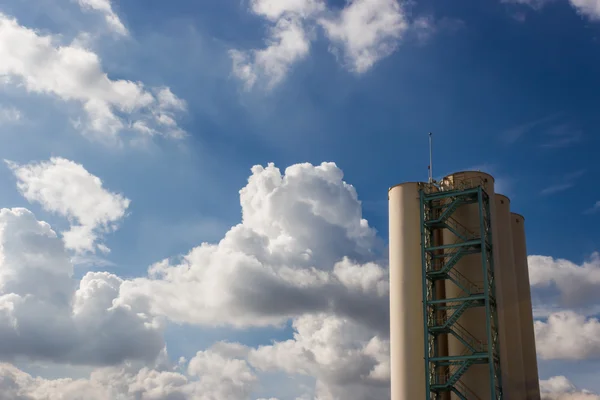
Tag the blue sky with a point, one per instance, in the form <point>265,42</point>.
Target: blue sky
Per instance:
<point>507,87</point>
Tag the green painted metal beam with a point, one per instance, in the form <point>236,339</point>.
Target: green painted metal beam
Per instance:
<point>470,243</point>
<point>457,299</point>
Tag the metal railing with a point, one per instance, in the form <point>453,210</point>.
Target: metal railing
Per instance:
<point>466,391</point>
<point>467,286</point>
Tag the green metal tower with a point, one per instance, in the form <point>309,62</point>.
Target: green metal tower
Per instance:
<point>441,314</point>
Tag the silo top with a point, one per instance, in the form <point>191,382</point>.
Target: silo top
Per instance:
<point>503,198</point>
<point>518,216</point>
<point>405,184</point>
<point>470,174</point>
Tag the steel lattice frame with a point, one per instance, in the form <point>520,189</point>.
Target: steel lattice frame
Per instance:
<point>441,315</point>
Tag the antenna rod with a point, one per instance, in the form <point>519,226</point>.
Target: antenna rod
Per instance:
<point>430,158</point>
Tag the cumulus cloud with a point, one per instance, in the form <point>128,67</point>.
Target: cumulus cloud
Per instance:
<point>348,361</point>
<point>302,252</point>
<point>73,73</point>
<point>577,285</point>
<point>68,189</point>
<point>105,8</point>
<point>209,376</point>
<point>362,33</point>
<point>567,335</point>
<point>302,246</point>
<point>560,388</point>
<point>47,315</point>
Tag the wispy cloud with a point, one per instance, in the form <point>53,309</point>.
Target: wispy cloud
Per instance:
<point>513,134</point>
<point>562,135</point>
<point>594,209</point>
<point>535,4</point>
<point>564,183</point>
<point>9,115</point>
<point>561,187</point>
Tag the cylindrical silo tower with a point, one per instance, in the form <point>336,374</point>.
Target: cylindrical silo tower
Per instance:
<point>525,308</point>
<point>407,365</point>
<point>509,330</point>
<point>472,322</point>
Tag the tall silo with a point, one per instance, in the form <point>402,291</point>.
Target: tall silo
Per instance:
<point>469,267</point>
<point>407,365</point>
<point>509,330</point>
<point>525,307</point>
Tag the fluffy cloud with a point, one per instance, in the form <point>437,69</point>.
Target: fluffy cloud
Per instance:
<point>577,285</point>
<point>348,361</point>
<point>567,335</point>
<point>46,315</point>
<point>209,376</point>
<point>560,388</point>
<point>302,246</point>
<point>364,31</point>
<point>302,251</point>
<point>68,189</point>
<point>104,7</point>
<point>74,74</point>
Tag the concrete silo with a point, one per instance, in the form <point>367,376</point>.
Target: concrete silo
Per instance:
<point>509,328</point>
<point>525,308</point>
<point>461,325</point>
<point>407,365</point>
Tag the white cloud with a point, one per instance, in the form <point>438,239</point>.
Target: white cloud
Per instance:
<point>560,388</point>
<point>346,358</point>
<point>588,8</point>
<point>209,376</point>
<point>567,335</point>
<point>275,9</point>
<point>577,285</point>
<point>104,7</point>
<point>302,246</point>
<point>74,74</point>
<point>366,31</point>
<point>68,189</point>
<point>288,43</point>
<point>9,115</point>
<point>47,315</point>
<point>302,251</point>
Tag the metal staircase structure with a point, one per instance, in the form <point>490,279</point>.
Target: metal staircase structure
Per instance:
<point>441,315</point>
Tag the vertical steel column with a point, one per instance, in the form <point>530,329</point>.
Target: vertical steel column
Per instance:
<point>436,211</point>
<point>424,245</point>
